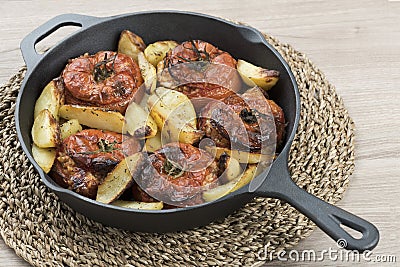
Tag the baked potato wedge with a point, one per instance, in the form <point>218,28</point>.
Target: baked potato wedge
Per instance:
<point>93,117</point>
<point>138,122</point>
<point>51,98</point>
<point>231,167</point>
<point>138,205</point>
<point>45,130</point>
<point>254,75</point>
<point>175,116</point>
<point>44,157</point>
<point>69,128</point>
<point>154,143</point>
<point>239,182</point>
<point>240,156</point>
<point>130,44</point>
<point>120,178</point>
<point>248,175</point>
<point>148,72</point>
<point>156,52</point>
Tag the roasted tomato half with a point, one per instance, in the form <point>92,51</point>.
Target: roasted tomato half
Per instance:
<point>243,122</point>
<point>106,79</point>
<point>215,83</point>
<point>85,158</point>
<point>179,172</point>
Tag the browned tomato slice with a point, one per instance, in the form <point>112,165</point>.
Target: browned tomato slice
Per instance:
<point>105,79</point>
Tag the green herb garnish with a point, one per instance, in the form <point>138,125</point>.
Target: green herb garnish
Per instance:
<point>248,115</point>
<point>198,52</point>
<point>104,146</point>
<point>172,169</point>
<point>101,72</point>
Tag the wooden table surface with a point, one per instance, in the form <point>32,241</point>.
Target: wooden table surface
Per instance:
<point>355,43</point>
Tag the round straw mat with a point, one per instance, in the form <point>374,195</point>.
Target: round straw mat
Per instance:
<point>46,232</point>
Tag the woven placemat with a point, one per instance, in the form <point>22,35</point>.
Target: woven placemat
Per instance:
<point>46,232</point>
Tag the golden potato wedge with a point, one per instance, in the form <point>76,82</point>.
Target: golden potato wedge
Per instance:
<point>44,157</point>
<point>94,117</point>
<point>188,134</point>
<point>239,182</point>
<point>51,98</point>
<point>156,52</point>
<point>248,175</point>
<point>138,205</point>
<point>138,122</point>
<point>45,130</point>
<point>261,77</point>
<point>231,167</point>
<point>164,77</point>
<point>148,72</point>
<point>241,156</point>
<point>130,44</point>
<point>175,116</point>
<point>154,143</point>
<point>69,128</point>
<point>120,178</point>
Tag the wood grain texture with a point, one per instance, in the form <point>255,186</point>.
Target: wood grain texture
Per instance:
<point>355,43</point>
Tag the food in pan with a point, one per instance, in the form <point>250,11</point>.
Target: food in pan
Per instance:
<point>252,74</point>
<point>240,180</point>
<point>130,44</point>
<point>148,72</point>
<point>51,98</point>
<point>93,117</point>
<point>157,51</point>
<point>120,178</point>
<point>139,123</point>
<point>70,127</point>
<point>113,119</point>
<point>45,130</point>
<point>44,157</point>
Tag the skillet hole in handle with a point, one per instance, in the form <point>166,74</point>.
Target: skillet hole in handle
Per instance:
<point>29,43</point>
<point>353,232</point>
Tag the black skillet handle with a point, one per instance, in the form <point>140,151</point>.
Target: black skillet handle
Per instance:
<point>327,217</point>
<point>29,53</point>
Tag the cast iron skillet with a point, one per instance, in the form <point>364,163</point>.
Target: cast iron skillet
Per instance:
<point>97,34</point>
